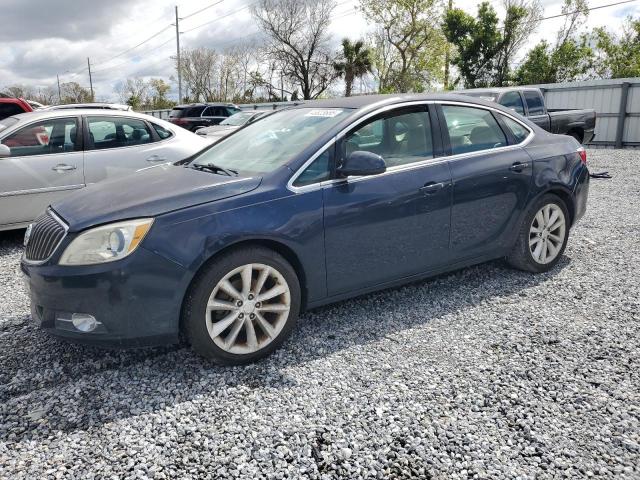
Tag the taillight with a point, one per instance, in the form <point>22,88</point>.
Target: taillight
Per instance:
<point>583,155</point>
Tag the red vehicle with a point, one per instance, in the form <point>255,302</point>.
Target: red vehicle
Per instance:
<point>13,106</point>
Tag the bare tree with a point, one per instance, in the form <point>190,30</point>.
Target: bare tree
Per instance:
<point>298,42</point>
<point>134,92</point>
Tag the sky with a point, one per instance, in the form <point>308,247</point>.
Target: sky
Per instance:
<point>40,39</point>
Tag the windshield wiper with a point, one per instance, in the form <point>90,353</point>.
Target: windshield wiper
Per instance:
<point>212,167</point>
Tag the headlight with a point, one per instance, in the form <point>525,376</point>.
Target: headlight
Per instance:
<point>107,243</point>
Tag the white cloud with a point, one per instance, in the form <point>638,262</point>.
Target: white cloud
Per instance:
<point>42,38</point>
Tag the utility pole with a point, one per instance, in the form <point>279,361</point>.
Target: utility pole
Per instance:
<point>178,57</point>
<point>90,79</point>
<point>447,54</point>
<point>59,95</point>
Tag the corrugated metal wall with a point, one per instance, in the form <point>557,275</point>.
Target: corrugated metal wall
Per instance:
<point>604,96</point>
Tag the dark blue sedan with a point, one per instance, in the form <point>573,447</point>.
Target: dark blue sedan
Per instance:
<point>311,205</point>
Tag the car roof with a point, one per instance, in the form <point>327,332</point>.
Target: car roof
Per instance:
<point>44,114</point>
<point>498,90</point>
<point>208,104</point>
<point>369,101</point>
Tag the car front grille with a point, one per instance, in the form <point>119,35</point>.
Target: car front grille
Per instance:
<point>46,234</point>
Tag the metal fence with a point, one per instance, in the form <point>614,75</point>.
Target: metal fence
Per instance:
<point>616,102</point>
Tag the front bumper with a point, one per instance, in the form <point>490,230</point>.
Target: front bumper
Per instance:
<point>137,300</point>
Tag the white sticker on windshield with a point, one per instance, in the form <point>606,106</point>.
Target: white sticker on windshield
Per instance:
<point>326,113</point>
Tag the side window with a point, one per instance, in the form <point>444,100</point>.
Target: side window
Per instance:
<point>44,138</point>
<point>512,100</point>
<point>116,132</point>
<point>318,171</point>
<point>534,102</point>
<point>400,138</point>
<point>472,129</point>
<point>519,132</point>
<point>207,112</point>
<point>162,132</point>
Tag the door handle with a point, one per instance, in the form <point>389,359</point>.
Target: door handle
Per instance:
<point>63,167</point>
<point>518,166</point>
<point>432,188</point>
<point>156,158</point>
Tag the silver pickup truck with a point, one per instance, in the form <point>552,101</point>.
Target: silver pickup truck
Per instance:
<point>529,103</point>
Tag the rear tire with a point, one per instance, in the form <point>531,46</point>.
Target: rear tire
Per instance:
<point>242,306</point>
<point>543,236</point>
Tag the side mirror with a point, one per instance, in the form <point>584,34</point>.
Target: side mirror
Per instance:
<point>362,163</point>
<point>4,151</point>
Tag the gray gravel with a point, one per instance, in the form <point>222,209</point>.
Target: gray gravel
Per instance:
<point>484,373</point>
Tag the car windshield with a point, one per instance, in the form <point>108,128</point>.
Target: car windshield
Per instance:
<point>237,119</point>
<point>7,122</point>
<point>266,145</point>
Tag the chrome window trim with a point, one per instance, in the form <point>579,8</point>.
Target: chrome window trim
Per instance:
<point>34,191</point>
<point>55,249</point>
<point>401,168</point>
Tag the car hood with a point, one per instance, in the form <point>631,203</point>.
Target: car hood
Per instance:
<point>148,193</point>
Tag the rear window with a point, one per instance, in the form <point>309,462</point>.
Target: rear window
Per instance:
<point>534,102</point>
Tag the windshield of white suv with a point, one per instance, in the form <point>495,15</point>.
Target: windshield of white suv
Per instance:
<point>237,119</point>
<point>274,141</point>
<point>7,122</point>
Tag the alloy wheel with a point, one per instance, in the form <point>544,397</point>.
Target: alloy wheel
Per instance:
<point>248,308</point>
<point>547,233</point>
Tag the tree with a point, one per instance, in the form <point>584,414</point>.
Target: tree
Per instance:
<point>571,58</point>
<point>73,92</point>
<point>298,43</point>
<point>134,92</point>
<point>353,62</point>
<point>159,89</point>
<point>619,56</point>
<point>485,49</point>
<point>409,48</point>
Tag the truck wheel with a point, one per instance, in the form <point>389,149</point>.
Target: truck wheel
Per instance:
<point>242,306</point>
<point>543,236</point>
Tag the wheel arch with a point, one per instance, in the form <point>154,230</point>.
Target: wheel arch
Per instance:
<point>279,247</point>
<point>564,195</point>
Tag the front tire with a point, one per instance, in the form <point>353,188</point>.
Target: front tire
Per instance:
<point>242,306</point>
<point>543,236</point>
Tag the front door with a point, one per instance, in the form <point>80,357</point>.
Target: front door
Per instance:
<point>46,163</point>
<point>491,181</point>
<point>393,225</point>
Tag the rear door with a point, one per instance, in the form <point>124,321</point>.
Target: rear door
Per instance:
<point>46,163</point>
<point>118,145</point>
<point>536,111</point>
<point>491,179</point>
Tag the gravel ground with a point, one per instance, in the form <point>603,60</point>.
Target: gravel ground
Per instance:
<point>484,373</point>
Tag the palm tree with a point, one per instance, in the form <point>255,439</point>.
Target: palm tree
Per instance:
<point>355,62</point>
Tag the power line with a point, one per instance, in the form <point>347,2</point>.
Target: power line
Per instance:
<point>588,9</point>
<point>221,17</point>
<point>145,52</point>
<point>201,10</point>
<point>134,47</point>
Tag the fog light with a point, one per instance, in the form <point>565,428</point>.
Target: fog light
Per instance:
<point>84,322</point>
